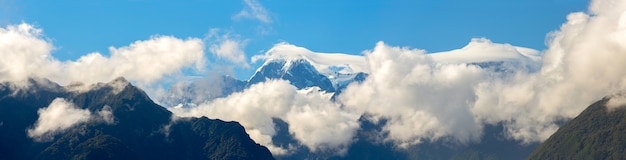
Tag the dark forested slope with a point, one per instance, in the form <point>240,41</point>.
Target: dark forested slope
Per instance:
<point>140,129</point>
<point>597,133</point>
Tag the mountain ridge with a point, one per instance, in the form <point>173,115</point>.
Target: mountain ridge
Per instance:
<point>299,69</point>
<point>139,128</point>
<point>596,133</point>
<point>299,73</point>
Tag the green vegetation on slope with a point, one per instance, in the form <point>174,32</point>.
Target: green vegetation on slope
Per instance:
<point>594,134</point>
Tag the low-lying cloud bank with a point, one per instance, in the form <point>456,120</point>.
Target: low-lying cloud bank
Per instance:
<point>314,120</point>
<point>420,98</point>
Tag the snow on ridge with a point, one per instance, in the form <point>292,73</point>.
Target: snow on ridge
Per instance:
<point>483,50</point>
<point>325,63</point>
<point>338,66</point>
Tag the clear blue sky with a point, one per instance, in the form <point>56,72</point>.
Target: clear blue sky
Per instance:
<point>79,27</point>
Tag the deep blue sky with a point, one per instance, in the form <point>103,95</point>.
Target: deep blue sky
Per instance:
<point>78,27</point>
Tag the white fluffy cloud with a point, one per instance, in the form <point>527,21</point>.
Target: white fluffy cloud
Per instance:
<point>26,53</point>
<point>61,115</point>
<point>314,120</point>
<point>144,61</point>
<point>422,99</point>
<point>57,117</point>
<point>584,62</point>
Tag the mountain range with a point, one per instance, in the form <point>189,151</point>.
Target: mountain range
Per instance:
<point>120,121</point>
<point>332,73</point>
<point>135,127</point>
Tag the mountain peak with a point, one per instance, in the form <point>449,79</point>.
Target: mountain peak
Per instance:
<point>119,80</point>
<point>323,62</point>
<point>483,50</point>
<point>117,85</point>
<point>138,132</point>
<point>299,72</point>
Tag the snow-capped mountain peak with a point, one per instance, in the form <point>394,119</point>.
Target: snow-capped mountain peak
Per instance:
<point>299,72</point>
<point>325,63</point>
<point>483,50</point>
<point>290,62</point>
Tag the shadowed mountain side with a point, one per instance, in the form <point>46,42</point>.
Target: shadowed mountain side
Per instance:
<point>597,133</point>
<point>370,144</point>
<point>494,145</point>
<point>141,129</point>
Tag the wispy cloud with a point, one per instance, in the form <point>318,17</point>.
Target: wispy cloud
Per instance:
<point>254,10</point>
<point>228,46</point>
